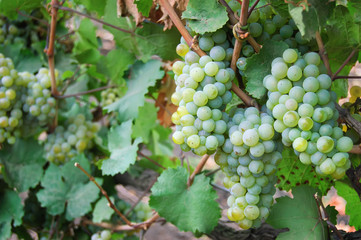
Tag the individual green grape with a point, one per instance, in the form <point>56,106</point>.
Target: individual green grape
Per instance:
<point>299,144</point>
<point>250,137</point>
<point>311,84</point>
<point>247,50</point>
<point>255,29</point>
<point>310,98</point>
<point>344,144</point>
<point>294,73</point>
<point>324,81</point>
<point>182,49</point>
<point>206,43</point>
<point>312,58</point>
<point>311,71</point>
<point>289,55</point>
<point>284,86</point>
<point>325,144</point>
<point>290,119</point>
<point>217,53</point>
<point>279,70</point>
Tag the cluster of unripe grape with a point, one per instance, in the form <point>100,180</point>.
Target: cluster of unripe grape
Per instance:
<point>270,26</point>
<point>202,91</point>
<point>249,159</point>
<point>109,96</point>
<point>69,140</point>
<point>300,99</point>
<point>11,33</point>
<point>24,98</point>
<point>244,139</point>
<point>103,235</point>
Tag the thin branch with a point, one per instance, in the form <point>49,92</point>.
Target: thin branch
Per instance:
<point>263,6</point>
<point>346,116</point>
<point>345,77</point>
<point>323,53</point>
<point>344,63</point>
<point>212,172</point>
<point>356,149</point>
<point>198,169</point>
<point>110,203</point>
<point>97,20</point>
<point>253,7</point>
<point>179,25</point>
<point>151,160</point>
<point>50,49</point>
<point>32,17</point>
<point>85,92</point>
<point>141,197</point>
<point>230,12</point>
<point>220,187</point>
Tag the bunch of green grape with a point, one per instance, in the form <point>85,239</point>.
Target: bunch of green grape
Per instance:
<point>300,99</point>
<point>12,32</point>
<point>109,96</point>
<point>69,140</point>
<point>249,159</point>
<point>103,235</point>
<point>11,114</point>
<point>202,92</point>
<point>140,213</point>
<point>38,102</point>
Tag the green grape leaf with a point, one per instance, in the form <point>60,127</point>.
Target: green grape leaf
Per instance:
<point>117,62</point>
<point>65,62</point>
<point>353,206</point>
<point>155,41</point>
<point>10,209</point>
<point>354,6</point>
<point>165,161</point>
<point>29,62</point>
<point>291,173</point>
<point>122,152</point>
<point>281,7</point>
<point>306,20</point>
<point>348,32</point>
<point>8,8</point>
<point>340,87</point>
<point>102,211</point>
<point>159,142</point>
<point>143,76</point>
<point>23,164</point>
<point>145,122</point>
<point>190,209</point>
<point>64,187</point>
<point>144,6</point>
<point>86,47</point>
<point>300,215</point>
<point>205,16</point>
<point>332,213</point>
<point>259,65</point>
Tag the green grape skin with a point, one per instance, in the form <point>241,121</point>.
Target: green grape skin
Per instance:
<point>344,144</point>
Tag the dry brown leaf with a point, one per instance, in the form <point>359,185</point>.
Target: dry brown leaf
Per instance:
<point>179,6</point>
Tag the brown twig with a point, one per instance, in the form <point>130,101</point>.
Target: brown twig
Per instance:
<point>253,7</point>
<point>97,20</point>
<point>219,187</point>
<point>346,116</point>
<point>141,197</point>
<point>345,77</point>
<point>85,92</point>
<point>179,25</point>
<point>323,53</point>
<point>198,169</point>
<point>110,203</point>
<point>354,51</point>
<point>230,12</point>
<point>50,48</point>
<point>212,172</point>
<point>151,160</point>
<point>356,149</point>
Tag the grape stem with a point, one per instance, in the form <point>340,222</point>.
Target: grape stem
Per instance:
<point>151,160</point>
<point>97,20</point>
<point>323,53</point>
<point>344,63</point>
<point>188,38</point>
<point>198,169</point>
<point>346,116</point>
<point>50,49</point>
<point>344,77</point>
<point>110,203</point>
<point>32,17</point>
<point>85,92</point>
<point>253,7</point>
<point>230,12</point>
